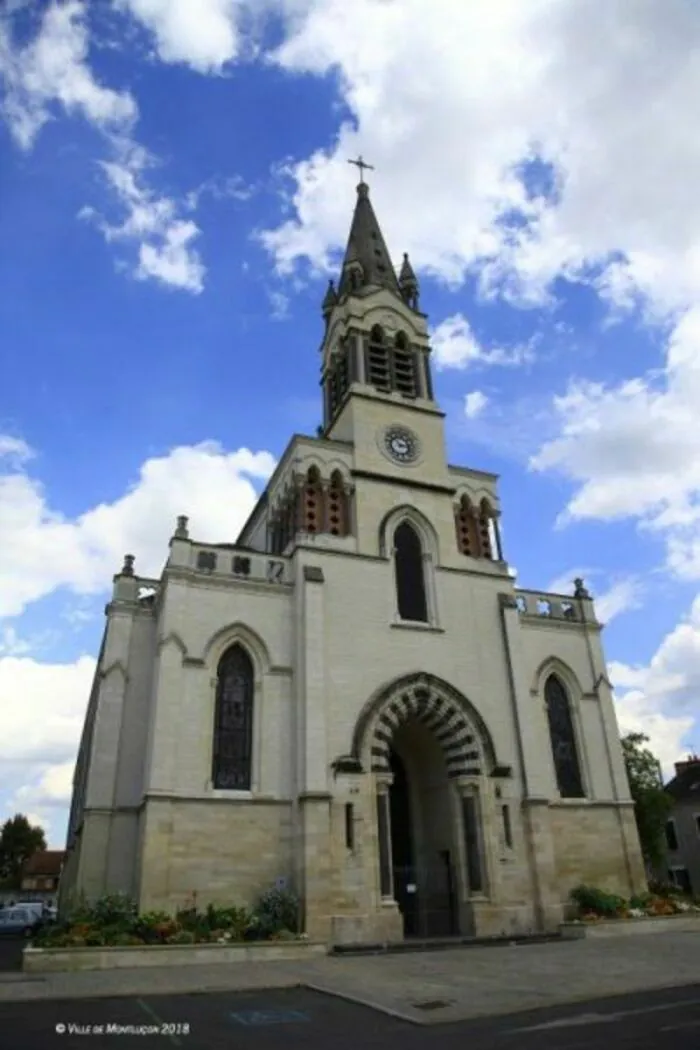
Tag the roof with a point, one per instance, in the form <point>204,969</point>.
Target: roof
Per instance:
<point>45,862</point>
<point>685,786</point>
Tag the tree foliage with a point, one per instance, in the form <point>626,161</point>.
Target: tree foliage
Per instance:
<point>19,840</point>
<point>652,804</point>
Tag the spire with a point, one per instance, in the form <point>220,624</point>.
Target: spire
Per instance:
<point>367,260</point>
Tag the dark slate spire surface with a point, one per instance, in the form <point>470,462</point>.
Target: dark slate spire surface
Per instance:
<point>367,260</point>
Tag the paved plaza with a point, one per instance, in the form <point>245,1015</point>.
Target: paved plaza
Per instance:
<point>465,983</point>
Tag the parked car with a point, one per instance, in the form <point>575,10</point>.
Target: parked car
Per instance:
<point>35,906</point>
<point>22,921</point>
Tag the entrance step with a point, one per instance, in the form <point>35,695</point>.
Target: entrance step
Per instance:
<point>433,944</point>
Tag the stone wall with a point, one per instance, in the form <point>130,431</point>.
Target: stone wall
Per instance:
<point>596,845</point>
<point>223,851</point>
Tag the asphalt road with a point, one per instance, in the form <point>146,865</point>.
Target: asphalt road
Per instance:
<point>11,954</point>
<point>297,1018</point>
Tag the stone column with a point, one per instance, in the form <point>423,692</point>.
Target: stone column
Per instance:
<point>386,874</point>
<point>497,534</point>
<point>103,758</point>
<point>389,922</point>
<point>536,776</point>
<point>317,877</point>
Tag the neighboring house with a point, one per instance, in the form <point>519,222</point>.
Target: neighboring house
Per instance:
<point>354,699</point>
<point>40,876</point>
<point>682,865</point>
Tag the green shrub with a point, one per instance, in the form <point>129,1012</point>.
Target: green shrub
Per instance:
<point>114,909</point>
<point>154,927</point>
<point>590,899</point>
<point>277,910</point>
<point>231,920</point>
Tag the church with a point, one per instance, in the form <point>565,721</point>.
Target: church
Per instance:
<point>354,700</point>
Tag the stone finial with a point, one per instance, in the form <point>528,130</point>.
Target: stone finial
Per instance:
<point>128,566</point>
<point>181,530</point>
<point>329,300</point>
<point>579,589</point>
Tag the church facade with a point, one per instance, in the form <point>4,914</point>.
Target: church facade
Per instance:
<point>354,700</point>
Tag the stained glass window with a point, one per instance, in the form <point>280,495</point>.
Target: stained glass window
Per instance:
<point>233,727</point>
<point>563,739</point>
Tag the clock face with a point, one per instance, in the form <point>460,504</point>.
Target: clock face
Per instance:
<point>401,444</point>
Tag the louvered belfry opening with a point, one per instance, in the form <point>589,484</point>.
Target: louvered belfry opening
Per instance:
<point>467,532</point>
<point>338,378</point>
<point>485,515</point>
<point>403,367</point>
<point>378,364</point>
<point>312,509</point>
<point>337,506</point>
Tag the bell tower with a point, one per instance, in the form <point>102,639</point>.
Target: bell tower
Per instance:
<point>376,371</point>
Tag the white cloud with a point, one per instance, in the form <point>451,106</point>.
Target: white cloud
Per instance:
<point>620,597</point>
<point>474,403</point>
<point>661,699</point>
<point>599,92</point>
<point>202,35</point>
<point>53,68</point>
<point>280,305</point>
<point>43,706</point>
<point>152,224</point>
<point>220,188</point>
<point>454,345</point>
<point>41,550</point>
<point>633,450</point>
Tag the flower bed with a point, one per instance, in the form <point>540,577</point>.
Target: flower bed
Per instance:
<point>114,922</point>
<point>593,905</point>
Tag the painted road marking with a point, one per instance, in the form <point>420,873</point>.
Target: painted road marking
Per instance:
<point>254,1018</point>
<point>159,1021</point>
<point>592,1018</point>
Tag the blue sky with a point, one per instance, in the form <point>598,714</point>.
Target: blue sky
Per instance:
<point>174,193</point>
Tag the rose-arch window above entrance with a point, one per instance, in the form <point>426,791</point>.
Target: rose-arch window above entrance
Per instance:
<point>233,721</point>
<point>410,576</point>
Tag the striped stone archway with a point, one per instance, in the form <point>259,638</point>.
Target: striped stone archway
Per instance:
<point>454,722</point>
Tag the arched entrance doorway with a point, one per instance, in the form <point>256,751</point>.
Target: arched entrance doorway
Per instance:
<point>422,828</point>
<point>431,754</point>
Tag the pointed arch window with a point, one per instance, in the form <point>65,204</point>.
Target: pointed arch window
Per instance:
<point>233,721</point>
<point>410,576</point>
<point>563,739</point>
<point>378,366</point>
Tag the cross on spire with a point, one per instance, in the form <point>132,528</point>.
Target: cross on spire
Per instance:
<point>359,163</point>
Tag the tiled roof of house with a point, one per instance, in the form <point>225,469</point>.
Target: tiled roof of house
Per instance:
<point>685,786</point>
<point>45,862</point>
